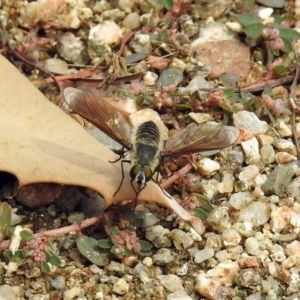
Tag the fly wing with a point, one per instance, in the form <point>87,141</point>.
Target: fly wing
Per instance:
<point>101,114</point>
<point>199,138</point>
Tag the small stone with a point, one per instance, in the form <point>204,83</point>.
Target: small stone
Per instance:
<point>279,178</point>
<point>293,249</point>
<point>249,278</point>
<point>267,153</point>
<point>249,173</point>
<point>200,118</point>
<point>150,78</point>
<point>141,43</point>
<point>293,188</point>
<point>234,26</point>
<point>224,272</point>
<point>285,146</point>
<point>177,63</point>
<point>264,139</point>
<point>252,246</point>
<point>236,58</point>
<point>126,4</point>
<point>72,49</point>
<point>147,261</point>
<point>231,238</point>
<point>257,213</point>
<point>56,65</point>
<point>207,287</point>
<point>10,292</point>
<point>283,130</point>
<point>240,200</point>
<point>248,120</point>
<point>284,157</point>
<point>226,185</point>
<point>58,282</point>
<point>72,293</point>
<point>164,256</point>
<point>121,287</point>
<point>131,21</point>
<point>222,255</point>
<point>219,219</point>
<point>171,282</point>
<point>278,256</point>
<point>108,33</point>
<point>181,239</point>
<point>113,14</point>
<point>203,255</point>
<point>213,241</point>
<point>250,148</point>
<point>159,236</point>
<point>179,295</point>
<point>207,166</point>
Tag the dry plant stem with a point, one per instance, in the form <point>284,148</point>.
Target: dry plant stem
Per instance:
<point>295,109</point>
<point>80,75</point>
<point>176,176</point>
<point>31,64</point>
<point>61,231</point>
<point>258,86</point>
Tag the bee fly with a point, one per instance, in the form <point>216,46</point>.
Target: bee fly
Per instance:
<point>145,136</point>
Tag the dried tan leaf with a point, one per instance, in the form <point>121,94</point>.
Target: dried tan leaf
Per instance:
<point>40,143</point>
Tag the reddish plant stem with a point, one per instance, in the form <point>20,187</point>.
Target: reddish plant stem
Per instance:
<point>61,231</point>
<point>176,176</point>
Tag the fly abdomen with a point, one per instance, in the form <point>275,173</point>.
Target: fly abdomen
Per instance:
<point>148,133</point>
<point>147,141</point>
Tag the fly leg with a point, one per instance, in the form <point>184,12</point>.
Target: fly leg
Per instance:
<point>122,155</point>
<point>136,192</point>
<point>156,180</point>
<point>122,168</point>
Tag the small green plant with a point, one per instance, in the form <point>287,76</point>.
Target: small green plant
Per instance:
<point>120,243</point>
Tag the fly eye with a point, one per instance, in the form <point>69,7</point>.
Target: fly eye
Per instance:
<point>135,170</point>
<point>141,173</point>
<point>148,173</point>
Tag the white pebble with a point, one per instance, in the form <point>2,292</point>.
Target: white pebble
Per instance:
<point>240,200</point>
<point>250,148</point>
<point>208,166</point>
<point>248,120</point>
<point>252,246</point>
<point>203,255</point>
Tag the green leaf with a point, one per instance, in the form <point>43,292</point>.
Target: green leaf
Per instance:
<point>289,34</point>
<point>247,19</point>
<point>45,267</point>
<point>254,30</point>
<point>205,203</point>
<point>89,248</point>
<point>231,95</point>
<point>105,244</point>
<point>5,218</point>
<point>53,259</point>
<point>287,45</point>
<point>26,235</point>
<point>201,213</point>
<point>168,4</point>
<point>170,76</point>
<point>114,230</point>
<point>280,71</point>
<point>145,246</point>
